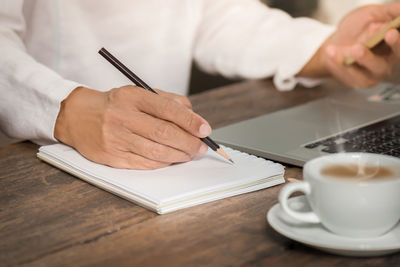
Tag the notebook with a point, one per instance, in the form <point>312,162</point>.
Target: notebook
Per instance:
<point>168,189</point>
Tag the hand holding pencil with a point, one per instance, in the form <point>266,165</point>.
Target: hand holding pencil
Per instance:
<point>363,49</point>
<point>130,127</point>
<point>139,82</point>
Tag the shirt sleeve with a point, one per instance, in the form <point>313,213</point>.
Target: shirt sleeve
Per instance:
<point>246,39</point>
<point>30,93</point>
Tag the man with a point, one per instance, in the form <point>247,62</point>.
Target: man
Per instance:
<point>55,87</point>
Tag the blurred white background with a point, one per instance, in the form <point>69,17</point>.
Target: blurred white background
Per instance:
<point>331,11</point>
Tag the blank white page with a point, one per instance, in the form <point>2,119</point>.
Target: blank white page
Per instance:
<point>173,183</point>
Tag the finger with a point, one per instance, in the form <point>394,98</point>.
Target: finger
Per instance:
<point>161,107</point>
<point>170,110</point>
<point>376,65</point>
<point>392,39</point>
<point>353,76</point>
<point>360,78</point>
<point>129,160</point>
<point>123,159</point>
<point>154,151</point>
<point>392,9</point>
<point>179,98</point>
<point>127,102</point>
<point>166,133</point>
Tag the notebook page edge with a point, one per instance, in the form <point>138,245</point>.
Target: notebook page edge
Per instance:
<point>278,179</point>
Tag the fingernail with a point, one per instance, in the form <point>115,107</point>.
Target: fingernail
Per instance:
<point>205,130</point>
<point>203,149</point>
<point>331,51</point>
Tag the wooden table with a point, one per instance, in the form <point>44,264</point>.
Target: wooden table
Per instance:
<point>48,217</point>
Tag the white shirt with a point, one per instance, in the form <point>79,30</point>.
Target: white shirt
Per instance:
<point>49,47</point>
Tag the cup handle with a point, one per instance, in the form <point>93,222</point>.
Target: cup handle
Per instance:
<point>284,195</point>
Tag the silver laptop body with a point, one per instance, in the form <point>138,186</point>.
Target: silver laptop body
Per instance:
<point>283,135</point>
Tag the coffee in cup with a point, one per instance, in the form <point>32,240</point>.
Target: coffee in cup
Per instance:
<point>358,171</point>
<point>351,194</point>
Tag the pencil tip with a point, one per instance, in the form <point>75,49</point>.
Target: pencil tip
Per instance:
<point>223,153</point>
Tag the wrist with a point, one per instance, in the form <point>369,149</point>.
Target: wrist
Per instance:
<point>316,66</point>
<point>70,110</point>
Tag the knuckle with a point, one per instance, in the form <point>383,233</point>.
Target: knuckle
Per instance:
<point>117,94</point>
<point>124,93</point>
<point>191,121</point>
<point>158,152</point>
<point>168,105</point>
<point>183,100</point>
<point>163,131</point>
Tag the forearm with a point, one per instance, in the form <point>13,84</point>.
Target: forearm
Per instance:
<point>30,96</point>
<point>30,92</point>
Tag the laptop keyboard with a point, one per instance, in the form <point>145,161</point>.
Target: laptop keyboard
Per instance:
<point>382,138</point>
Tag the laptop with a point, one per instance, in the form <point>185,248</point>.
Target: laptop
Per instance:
<point>365,120</point>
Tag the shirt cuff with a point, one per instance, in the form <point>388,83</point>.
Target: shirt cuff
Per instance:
<point>61,90</point>
<point>297,57</point>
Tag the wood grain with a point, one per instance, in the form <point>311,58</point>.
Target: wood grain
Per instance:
<point>50,218</point>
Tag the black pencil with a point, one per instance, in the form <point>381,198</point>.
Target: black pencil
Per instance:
<point>139,82</point>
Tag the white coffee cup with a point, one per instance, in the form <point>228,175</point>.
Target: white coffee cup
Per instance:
<point>353,207</point>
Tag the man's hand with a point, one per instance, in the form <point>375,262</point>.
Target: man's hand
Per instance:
<point>353,31</point>
<point>131,128</point>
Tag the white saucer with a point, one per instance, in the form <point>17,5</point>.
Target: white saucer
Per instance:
<point>317,236</point>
